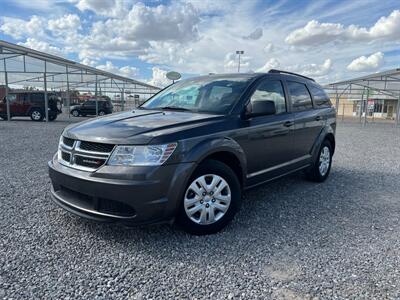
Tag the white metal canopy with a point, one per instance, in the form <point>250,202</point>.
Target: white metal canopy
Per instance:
<point>382,85</point>
<point>21,66</point>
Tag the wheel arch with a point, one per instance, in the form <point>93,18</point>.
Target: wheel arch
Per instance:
<point>331,138</point>
<point>35,108</point>
<point>225,150</point>
<point>326,133</point>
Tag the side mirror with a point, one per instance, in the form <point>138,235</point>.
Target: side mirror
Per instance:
<point>260,108</point>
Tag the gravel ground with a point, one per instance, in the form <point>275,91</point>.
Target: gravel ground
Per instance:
<point>292,239</point>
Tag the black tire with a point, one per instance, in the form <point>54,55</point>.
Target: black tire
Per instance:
<point>222,170</point>
<point>75,113</point>
<point>102,113</point>
<point>36,115</point>
<point>52,117</point>
<point>314,172</point>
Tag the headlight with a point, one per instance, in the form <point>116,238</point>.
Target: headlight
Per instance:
<point>151,155</point>
<point>59,148</point>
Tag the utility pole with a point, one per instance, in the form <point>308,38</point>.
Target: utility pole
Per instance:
<point>239,52</point>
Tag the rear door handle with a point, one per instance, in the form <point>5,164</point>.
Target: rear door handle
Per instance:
<point>318,118</point>
<point>288,123</point>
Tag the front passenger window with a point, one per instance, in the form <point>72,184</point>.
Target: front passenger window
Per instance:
<point>271,90</point>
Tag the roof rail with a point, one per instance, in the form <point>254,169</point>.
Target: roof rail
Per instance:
<point>290,73</point>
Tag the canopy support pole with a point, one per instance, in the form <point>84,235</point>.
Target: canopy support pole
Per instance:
<point>46,99</point>
<point>97,102</point>
<point>6,92</point>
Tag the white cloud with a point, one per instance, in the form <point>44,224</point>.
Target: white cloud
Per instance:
<point>370,63</point>
<point>88,62</point>
<point>231,62</point>
<point>126,71</point>
<point>39,5</point>
<point>255,35</point>
<point>273,63</point>
<point>40,27</point>
<point>159,77</point>
<point>65,24</point>
<point>269,48</point>
<point>316,33</point>
<point>312,69</point>
<point>111,8</point>
<point>42,46</point>
<point>160,23</point>
<point>18,28</point>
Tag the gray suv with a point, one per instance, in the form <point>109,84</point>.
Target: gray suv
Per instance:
<point>189,152</point>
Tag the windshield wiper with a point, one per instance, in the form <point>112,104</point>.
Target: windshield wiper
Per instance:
<point>175,108</point>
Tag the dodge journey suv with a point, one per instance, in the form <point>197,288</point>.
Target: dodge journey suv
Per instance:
<point>188,153</point>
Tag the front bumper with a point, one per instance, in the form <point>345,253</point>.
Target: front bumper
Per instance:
<point>129,195</point>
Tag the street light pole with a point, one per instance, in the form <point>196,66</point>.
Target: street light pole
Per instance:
<point>239,52</point>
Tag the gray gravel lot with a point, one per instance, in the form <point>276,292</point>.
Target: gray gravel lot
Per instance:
<point>292,239</point>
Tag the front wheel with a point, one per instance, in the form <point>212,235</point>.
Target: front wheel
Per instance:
<point>52,117</point>
<point>211,199</point>
<point>102,113</point>
<point>319,171</point>
<point>75,113</point>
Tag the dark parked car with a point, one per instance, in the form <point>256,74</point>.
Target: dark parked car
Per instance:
<point>30,104</point>
<point>87,108</point>
<point>189,152</point>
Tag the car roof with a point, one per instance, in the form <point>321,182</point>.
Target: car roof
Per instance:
<point>255,75</point>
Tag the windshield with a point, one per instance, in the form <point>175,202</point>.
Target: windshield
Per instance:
<point>206,94</point>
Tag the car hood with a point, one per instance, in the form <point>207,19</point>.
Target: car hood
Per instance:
<point>137,127</point>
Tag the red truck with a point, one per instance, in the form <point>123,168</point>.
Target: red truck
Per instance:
<point>29,104</point>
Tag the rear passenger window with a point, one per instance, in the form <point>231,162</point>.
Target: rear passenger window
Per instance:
<point>37,98</point>
<point>321,99</point>
<point>301,99</point>
<point>271,90</point>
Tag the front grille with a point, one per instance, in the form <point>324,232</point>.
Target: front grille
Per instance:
<point>65,156</point>
<point>96,147</point>
<point>89,162</point>
<point>83,155</point>
<point>68,142</point>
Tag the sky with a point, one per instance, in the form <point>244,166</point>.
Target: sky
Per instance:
<point>327,40</point>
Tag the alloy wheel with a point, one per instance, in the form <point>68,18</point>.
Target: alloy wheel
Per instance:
<point>324,160</point>
<point>36,115</point>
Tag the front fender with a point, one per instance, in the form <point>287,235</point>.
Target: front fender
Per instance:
<point>198,150</point>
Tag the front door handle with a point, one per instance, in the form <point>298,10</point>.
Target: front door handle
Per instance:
<point>318,118</point>
<point>288,123</point>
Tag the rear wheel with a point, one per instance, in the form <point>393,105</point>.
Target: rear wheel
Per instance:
<point>102,113</point>
<point>211,199</point>
<point>319,171</point>
<point>75,113</point>
<point>36,115</point>
<point>52,117</point>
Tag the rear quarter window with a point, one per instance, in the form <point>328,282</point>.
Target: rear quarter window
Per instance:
<point>321,99</point>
